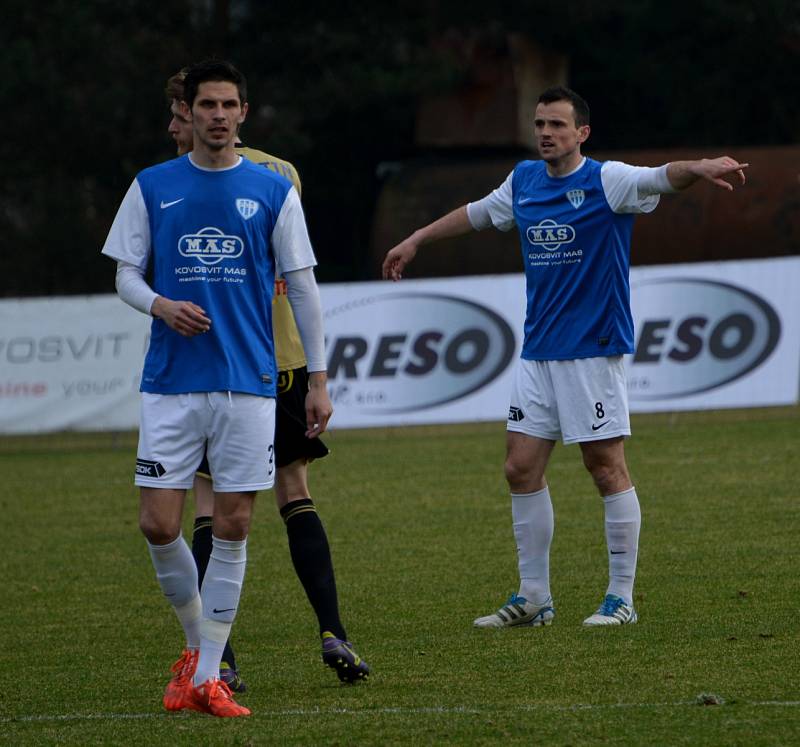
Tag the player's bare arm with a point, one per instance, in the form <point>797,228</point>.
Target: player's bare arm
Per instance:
<point>318,404</point>
<point>185,317</point>
<point>723,171</point>
<point>455,223</point>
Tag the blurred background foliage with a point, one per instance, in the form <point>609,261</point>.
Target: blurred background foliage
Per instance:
<point>334,87</point>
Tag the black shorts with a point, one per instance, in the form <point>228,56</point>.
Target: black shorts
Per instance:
<point>291,442</point>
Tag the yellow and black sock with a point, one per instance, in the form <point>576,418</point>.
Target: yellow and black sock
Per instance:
<point>311,555</point>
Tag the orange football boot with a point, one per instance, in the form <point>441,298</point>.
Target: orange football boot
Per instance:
<point>183,671</point>
<point>214,697</point>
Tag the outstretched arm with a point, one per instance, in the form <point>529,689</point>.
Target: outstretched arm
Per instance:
<point>683,174</point>
<point>455,223</point>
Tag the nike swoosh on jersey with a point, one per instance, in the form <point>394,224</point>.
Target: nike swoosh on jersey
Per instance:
<point>170,204</point>
<point>526,201</point>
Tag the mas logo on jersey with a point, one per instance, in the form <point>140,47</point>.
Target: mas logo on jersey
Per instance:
<point>576,197</point>
<point>247,208</point>
<point>210,246</point>
<point>550,235</point>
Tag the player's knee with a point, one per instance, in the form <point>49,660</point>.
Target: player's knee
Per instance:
<point>233,525</point>
<point>156,530</point>
<point>609,478</point>
<point>601,476</point>
<point>231,528</point>
<point>511,471</point>
<point>291,483</point>
<point>288,491</point>
<point>232,514</point>
<point>284,498</point>
<point>521,477</point>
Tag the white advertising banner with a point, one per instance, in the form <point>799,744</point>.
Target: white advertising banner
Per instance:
<point>715,335</point>
<point>711,335</point>
<point>422,351</point>
<point>70,363</point>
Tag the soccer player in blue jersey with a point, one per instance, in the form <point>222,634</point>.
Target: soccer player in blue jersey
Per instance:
<point>574,216</point>
<point>308,542</point>
<point>216,228</point>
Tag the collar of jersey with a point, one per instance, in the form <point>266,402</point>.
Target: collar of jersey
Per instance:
<point>571,173</point>
<point>204,168</point>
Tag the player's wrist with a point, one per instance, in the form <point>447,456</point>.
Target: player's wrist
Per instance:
<point>157,307</point>
<point>317,379</point>
<point>419,237</point>
<point>682,174</point>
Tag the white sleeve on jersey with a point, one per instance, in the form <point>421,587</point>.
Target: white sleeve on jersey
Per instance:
<point>633,189</point>
<point>129,237</point>
<point>132,287</point>
<point>496,209</point>
<point>290,243</point>
<point>303,293</point>
<point>654,181</point>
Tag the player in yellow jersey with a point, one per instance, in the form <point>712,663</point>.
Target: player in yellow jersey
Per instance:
<point>308,543</point>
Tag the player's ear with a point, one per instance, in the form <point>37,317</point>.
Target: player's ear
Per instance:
<point>244,112</point>
<point>583,133</point>
<point>185,111</point>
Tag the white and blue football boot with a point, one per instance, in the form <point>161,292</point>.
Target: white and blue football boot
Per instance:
<point>613,611</point>
<point>518,611</point>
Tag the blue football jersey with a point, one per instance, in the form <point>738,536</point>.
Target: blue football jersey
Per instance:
<point>576,253</point>
<point>210,233</point>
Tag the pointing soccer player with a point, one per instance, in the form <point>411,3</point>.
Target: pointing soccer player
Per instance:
<point>308,542</point>
<point>216,229</point>
<point>574,216</point>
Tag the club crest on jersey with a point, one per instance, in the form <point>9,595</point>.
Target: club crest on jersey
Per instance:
<point>576,197</point>
<point>210,246</point>
<point>247,208</point>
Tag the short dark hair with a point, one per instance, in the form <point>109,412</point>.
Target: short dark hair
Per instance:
<point>173,90</point>
<point>562,93</point>
<point>212,70</point>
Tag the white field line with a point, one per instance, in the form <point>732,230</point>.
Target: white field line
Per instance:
<point>455,710</point>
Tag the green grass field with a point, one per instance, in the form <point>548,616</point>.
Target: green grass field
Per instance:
<point>420,529</point>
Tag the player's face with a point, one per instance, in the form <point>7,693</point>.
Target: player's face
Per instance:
<point>558,138</point>
<point>180,127</point>
<point>216,114</point>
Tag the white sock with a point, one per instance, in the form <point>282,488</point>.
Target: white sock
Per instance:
<point>222,587</point>
<point>213,636</point>
<point>533,530</point>
<point>177,575</point>
<point>623,521</point>
<point>190,616</point>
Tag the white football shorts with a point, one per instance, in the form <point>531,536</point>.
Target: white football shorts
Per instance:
<point>236,430</point>
<point>584,399</point>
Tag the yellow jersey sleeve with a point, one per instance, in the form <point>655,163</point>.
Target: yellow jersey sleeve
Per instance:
<point>289,351</point>
<point>273,163</point>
